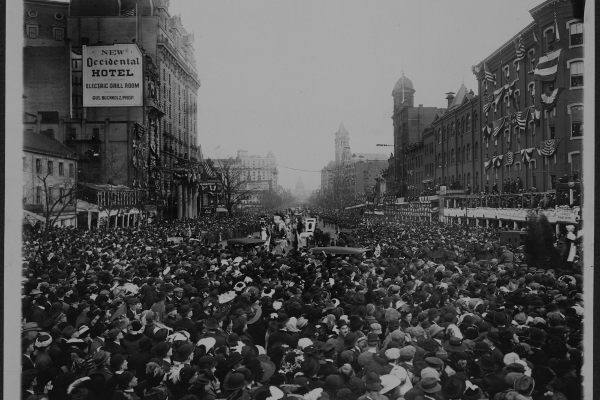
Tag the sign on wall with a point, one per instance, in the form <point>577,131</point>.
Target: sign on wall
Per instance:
<point>112,76</point>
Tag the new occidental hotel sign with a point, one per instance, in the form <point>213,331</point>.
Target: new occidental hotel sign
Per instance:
<point>112,76</point>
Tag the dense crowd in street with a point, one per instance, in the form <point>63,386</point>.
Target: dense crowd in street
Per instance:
<point>432,311</point>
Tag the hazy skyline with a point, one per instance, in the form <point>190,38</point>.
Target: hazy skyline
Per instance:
<point>281,76</point>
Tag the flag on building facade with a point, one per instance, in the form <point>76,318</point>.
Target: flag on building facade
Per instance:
<point>128,12</point>
<point>535,38</point>
<point>556,34</point>
<point>510,158</point>
<point>520,48</point>
<point>537,113</point>
<point>498,161</point>
<point>488,74</point>
<point>487,164</point>
<point>498,125</point>
<point>527,153</point>
<point>547,67</point>
<point>521,117</point>
<point>498,96</point>
<point>549,99</point>
<point>548,147</point>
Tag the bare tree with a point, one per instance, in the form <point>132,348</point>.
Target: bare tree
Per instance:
<point>54,188</point>
<point>236,186</point>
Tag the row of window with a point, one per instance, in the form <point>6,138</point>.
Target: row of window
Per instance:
<point>451,130</point>
<point>63,195</point>
<point>33,32</point>
<point>50,167</point>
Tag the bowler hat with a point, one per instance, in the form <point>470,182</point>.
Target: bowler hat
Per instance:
<point>487,363</point>
<point>454,387</point>
<point>234,381</point>
<point>373,381</point>
<point>454,344</point>
<point>183,352</point>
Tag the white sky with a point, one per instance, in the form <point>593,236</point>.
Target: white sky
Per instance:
<point>282,75</point>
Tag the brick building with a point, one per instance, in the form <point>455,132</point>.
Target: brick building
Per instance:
<point>409,122</point>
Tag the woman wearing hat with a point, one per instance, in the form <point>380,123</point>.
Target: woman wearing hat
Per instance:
<point>236,386</point>
<point>373,387</point>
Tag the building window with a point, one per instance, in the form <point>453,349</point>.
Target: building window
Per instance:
<point>38,195</point>
<point>32,31</point>
<point>71,170</point>
<point>517,99</point>
<point>468,123</point>
<point>516,67</point>
<point>549,39</point>
<point>575,161</point>
<point>505,106</point>
<point>517,166</point>
<point>452,131</point>
<point>38,166</point>
<point>507,135</point>
<point>531,90</point>
<point>476,151</point>
<point>576,121</point>
<point>531,58</point>
<point>469,152</point>
<point>61,169</point>
<point>59,34</point>
<point>576,69</point>
<point>507,72</point>
<point>576,33</point>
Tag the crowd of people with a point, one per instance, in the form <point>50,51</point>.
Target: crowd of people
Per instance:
<point>430,312</point>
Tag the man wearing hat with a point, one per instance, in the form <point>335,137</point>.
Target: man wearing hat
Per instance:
<point>113,341</point>
<point>170,316</point>
<point>327,365</point>
<point>491,379</point>
<point>134,308</point>
<point>27,349</point>
<point>427,388</point>
<point>186,323</point>
<point>282,336</point>
<point>373,387</point>
<point>101,362</point>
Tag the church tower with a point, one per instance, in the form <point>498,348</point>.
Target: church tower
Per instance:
<point>342,144</point>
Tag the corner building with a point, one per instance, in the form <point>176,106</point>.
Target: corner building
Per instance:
<point>529,146</point>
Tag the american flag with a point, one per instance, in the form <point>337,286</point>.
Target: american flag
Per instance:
<point>520,48</point>
<point>510,157</point>
<point>487,164</point>
<point>535,38</point>
<point>527,153</point>
<point>128,12</point>
<point>522,118</point>
<point>548,147</point>
<point>498,161</point>
<point>488,74</point>
<point>498,125</point>
<point>486,107</point>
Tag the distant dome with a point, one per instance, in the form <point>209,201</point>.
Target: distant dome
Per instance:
<point>405,83</point>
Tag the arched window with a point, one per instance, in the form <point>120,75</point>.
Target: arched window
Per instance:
<point>452,130</point>
<point>463,153</point>
<point>439,160</point>
<point>468,179</point>
<point>475,121</point>
<point>444,159</point>
<point>458,128</point>
<point>452,156</point>
<point>468,123</point>
<point>443,135</point>
<point>469,152</point>
<point>476,151</point>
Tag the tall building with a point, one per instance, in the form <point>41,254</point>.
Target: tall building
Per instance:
<point>260,172</point>
<point>342,144</point>
<point>409,122</point>
<point>456,138</point>
<point>149,143</point>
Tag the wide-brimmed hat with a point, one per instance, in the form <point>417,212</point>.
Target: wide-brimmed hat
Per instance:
<point>235,381</point>
<point>486,362</point>
<point>389,382</point>
<point>524,385</point>
<point>454,387</point>
<point>434,330</point>
<point>206,362</point>
<point>373,381</point>
<point>183,353</point>
<point>268,369</point>
<point>454,344</point>
<point>429,385</point>
<point>100,357</point>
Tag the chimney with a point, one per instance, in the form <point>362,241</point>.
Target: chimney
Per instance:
<point>449,97</point>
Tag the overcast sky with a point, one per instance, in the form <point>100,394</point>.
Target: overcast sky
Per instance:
<point>282,75</point>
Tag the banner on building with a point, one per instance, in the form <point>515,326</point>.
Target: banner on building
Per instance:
<point>112,76</point>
